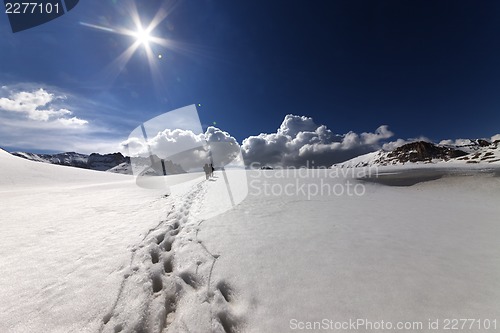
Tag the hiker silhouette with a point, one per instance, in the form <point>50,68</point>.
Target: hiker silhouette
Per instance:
<point>208,170</point>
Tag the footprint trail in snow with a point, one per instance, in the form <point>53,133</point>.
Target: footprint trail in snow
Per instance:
<point>168,286</point>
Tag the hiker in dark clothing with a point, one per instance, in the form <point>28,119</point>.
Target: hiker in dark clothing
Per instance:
<point>212,169</point>
<point>208,170</point>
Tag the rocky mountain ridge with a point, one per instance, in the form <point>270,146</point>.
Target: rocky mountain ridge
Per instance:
<point>423,152</point>
<point>93,161</point>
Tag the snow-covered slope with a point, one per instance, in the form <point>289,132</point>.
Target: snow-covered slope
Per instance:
<point>85,251</point>
<point>483,155</point>
<point>123,168</point>
<point>475,151</point>
<point>66,240</point>
<point>17,172</point>
<point>394,254</point>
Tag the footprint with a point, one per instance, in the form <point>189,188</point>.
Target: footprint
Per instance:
<point>167,264</point>
<point>170,307</point>
<point>156,282</point>
<point>160,238</point>
<point>226,291</point>
<point>229,323</point>
<point>166,245</point>
<point>190,279</point>
<point>155,256</point>
<point>107,318</point>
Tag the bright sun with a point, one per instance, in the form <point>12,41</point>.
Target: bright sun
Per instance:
<point>143,36</point>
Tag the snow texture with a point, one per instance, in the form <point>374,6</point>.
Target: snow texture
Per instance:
<point>86,251</point>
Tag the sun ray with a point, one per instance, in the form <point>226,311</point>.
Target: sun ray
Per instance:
<point>114,69</point>
<point>143,36</point>
<point>98,27</point>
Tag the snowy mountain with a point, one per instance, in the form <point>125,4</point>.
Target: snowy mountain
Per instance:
<point>116,162</point>
<point>422,152</point>
<point>105,162</point>
<point>480,151</point>
<point>68,159</point>
<point>93,161</point>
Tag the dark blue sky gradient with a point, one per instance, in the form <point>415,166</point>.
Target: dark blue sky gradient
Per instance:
<point>422,67</point>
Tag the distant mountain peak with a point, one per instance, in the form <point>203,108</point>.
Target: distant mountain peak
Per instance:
<point>422,151</point>
<point>474,151</point>
<point>114,162</point>
<point>93,161</point>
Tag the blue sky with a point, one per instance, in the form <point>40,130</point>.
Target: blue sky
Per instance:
<point>426,68</point>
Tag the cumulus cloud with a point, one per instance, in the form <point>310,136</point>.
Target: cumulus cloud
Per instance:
<point>455,142</point>
<point>299,141</point>
<point>466,142</point>
<point>38,105</point>
<point>389,146</point>
<point>185,148</point>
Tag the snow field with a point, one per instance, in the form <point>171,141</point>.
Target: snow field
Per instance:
<point>84,251</point>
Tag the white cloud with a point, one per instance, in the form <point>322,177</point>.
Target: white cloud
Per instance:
<point>35,118</point>
<point>74,121</point>
<point>389,146</point>
<point>456,142</point>
<point>381,133</point>
<point>186,148</point>
<point>293,125</point>
<point>175,141</point>
<point>299,141</point>
<point>466,142</point>
<point>38,105</point>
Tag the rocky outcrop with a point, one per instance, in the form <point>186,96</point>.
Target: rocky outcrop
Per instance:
<point>422,151</point>
<point>105,162</point>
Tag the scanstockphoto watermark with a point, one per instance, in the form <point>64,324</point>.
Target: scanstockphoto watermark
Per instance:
<point>355,325</point>
<point>310,182</point>
<point>431,324</point>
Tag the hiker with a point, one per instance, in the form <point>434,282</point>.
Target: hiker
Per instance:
<point>212,169</point>
<point>207,170</point>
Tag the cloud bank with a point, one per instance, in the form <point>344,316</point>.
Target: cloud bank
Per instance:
<point>465,142</point>
<point>185,148</point>
<point>300,142</point>
<point>35,117</point>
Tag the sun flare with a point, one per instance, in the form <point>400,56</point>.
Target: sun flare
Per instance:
<point>143,36</point>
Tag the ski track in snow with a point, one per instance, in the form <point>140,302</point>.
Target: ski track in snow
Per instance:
<point>168,285</point>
